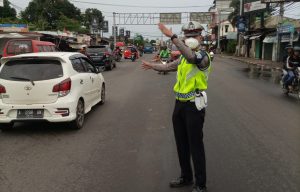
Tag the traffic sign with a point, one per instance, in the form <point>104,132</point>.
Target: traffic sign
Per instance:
<point>201,17</point>
<point>121,32</point>
<point>105,26</point>
<point>170,18</point>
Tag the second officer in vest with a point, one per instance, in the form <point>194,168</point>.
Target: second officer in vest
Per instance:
<point>192,68</point>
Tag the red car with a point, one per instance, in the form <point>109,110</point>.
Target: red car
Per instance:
<point>127,52</point>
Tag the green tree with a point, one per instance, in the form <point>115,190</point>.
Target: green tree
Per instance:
<point>39,11</point>
<point>90,15</point>
<point>138,39</point>
<point>152,42</point>
<point>232,17</point>
<point>6,11</point>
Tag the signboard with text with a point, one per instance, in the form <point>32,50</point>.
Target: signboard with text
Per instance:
<point>254,6</point>
<point>127,34</point>
<point>201,17</point>
<point>170,18</point>
<point>288,28</point>
<point>14,28</point>
<point>121,32</point>
<point>105,26</point>
<point>241,24</point>
<point>278,1</point>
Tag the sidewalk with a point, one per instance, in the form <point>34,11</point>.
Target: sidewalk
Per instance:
<point>253,61</point>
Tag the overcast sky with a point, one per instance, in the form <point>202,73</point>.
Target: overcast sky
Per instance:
<point>149,6</point>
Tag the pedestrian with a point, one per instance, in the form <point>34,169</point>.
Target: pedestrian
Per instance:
<point>192,68</point>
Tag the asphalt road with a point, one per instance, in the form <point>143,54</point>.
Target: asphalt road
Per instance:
<point>251,136</point>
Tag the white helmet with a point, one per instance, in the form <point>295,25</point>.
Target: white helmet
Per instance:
<point>192,28</point>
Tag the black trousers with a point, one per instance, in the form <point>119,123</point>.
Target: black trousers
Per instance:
<point>188,130</point>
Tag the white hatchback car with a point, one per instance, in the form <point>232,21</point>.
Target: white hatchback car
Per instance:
<point>53,87</point>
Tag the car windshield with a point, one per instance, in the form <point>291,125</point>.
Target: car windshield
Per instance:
<point>31,69</point>
<point>95,49</point>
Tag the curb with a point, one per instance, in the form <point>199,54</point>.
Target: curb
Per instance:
<point>275,66</point>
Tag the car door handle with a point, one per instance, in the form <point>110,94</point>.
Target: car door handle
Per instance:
<point>81,81</point>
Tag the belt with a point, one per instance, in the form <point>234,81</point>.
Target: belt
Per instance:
<point>187,101</point>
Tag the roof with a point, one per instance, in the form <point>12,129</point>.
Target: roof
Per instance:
<point>60,55</point>
<point>273,21</point>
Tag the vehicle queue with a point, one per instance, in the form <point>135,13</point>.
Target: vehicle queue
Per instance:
<point>40,83</point>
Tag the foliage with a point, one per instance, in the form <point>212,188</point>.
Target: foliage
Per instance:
<point>138,39</point>
<point>6,11</point>
<point>152,42</point>
<point>45,14</point>
<point>232,17</point>
<point>89,15</point>
<point>65,23</point>
<point>231,45</point>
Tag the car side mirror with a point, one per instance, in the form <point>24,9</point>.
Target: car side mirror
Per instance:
<point>97,70</point>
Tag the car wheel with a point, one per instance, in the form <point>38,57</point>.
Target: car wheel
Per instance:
<point>102,95</point>
<point>79,121</point>
<point>110,66</point>
<point>6,126</point>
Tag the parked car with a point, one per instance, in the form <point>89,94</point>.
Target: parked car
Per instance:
<point>128,54</point>
<point>21,46</point>
<point>175,53</point>
<point>52,87</point>
<point>148,49</point>
<point>102,56</point>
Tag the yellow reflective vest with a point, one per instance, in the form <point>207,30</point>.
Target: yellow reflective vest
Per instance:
<point>189,79</point>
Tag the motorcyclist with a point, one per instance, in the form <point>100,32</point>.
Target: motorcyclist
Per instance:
<point>292,63</point>
<point>289,49</point>
<point>134,51</point>
<point>164,53</point>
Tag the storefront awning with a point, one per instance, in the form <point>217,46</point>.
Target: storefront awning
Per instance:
<point>254,37</point>
<point>270,39</point>
<point>287,37</point>
<point>284,38</point>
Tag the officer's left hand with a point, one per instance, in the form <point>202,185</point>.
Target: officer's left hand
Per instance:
<point>146,65</point>
<point>167,32</point>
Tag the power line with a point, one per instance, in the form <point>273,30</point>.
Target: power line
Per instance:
<point>137,6</point>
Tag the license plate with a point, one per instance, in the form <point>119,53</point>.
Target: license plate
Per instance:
<point>30,113</point>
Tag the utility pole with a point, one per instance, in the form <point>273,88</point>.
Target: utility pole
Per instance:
<point>239,35</point>
<point>114,31</point>
<point>281,12</point>
<point>219,31</point>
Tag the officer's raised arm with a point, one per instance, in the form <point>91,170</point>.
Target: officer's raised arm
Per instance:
<point>189,48</point>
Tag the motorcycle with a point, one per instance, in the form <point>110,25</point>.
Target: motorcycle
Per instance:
<point>295,86</point>
<point>164,61</point>
<point>211,55</point>
<point>117,56</point>
<point>133,57</point>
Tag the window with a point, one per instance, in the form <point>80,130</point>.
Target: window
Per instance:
<point>40,48</point>
<point>47,48</point>
<point>77,65</point>
<point>226,28</point>
<point>90,68</point>
<point>18,47</point>
<point>33,69</point>
<point>52,48</point>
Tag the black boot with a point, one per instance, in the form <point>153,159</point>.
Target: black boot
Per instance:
<point>181,182</point>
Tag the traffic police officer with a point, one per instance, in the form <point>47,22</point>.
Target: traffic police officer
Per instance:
<point>192,69</point>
